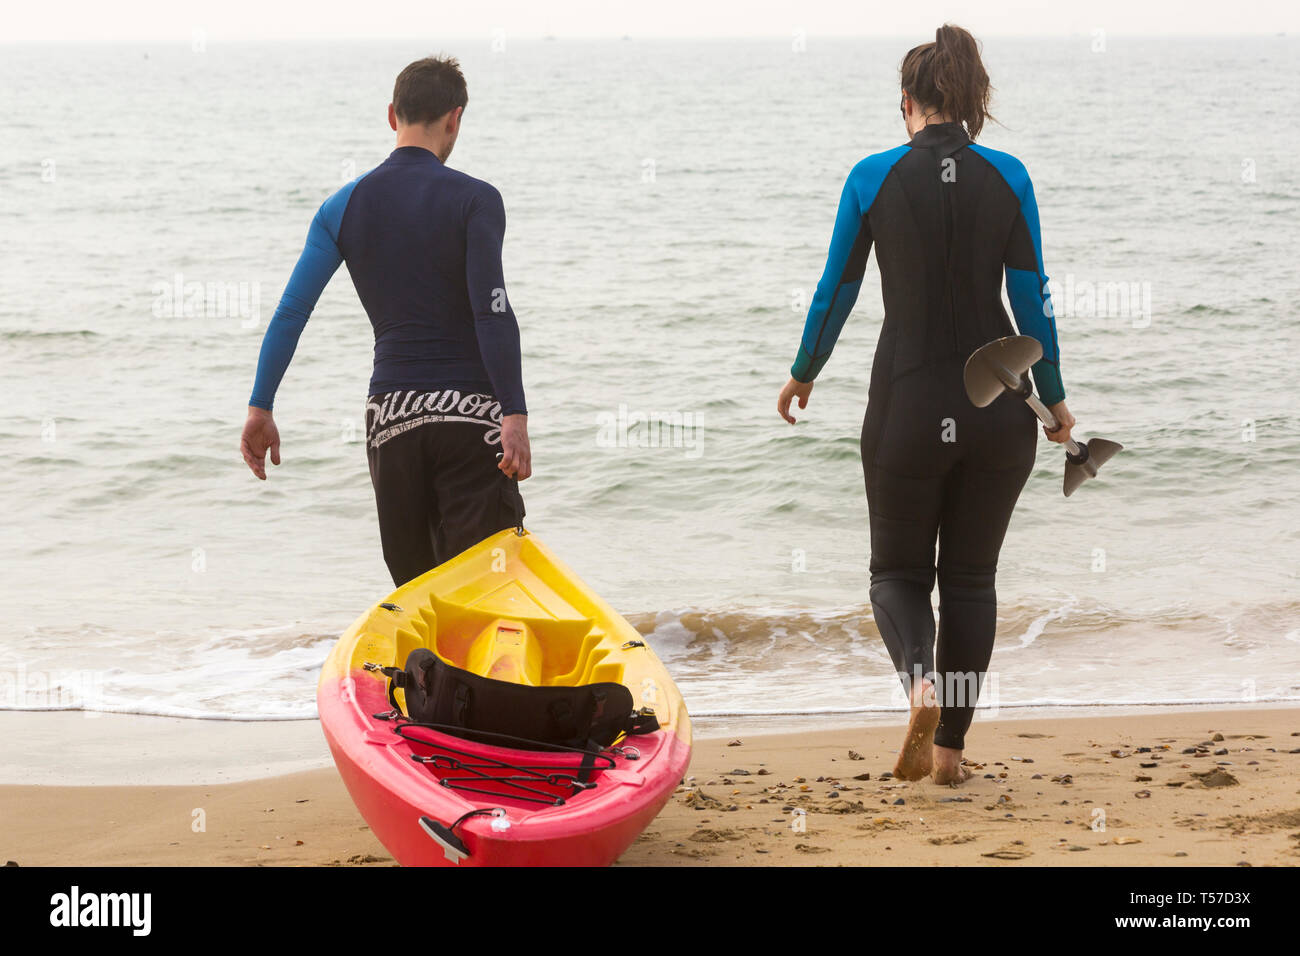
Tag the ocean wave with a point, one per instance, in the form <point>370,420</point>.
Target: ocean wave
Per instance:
<point>47,335</point>
<point>1025,623</point>
<point>773,661</point>
<point>1022,622</point>
<point>265,673</point>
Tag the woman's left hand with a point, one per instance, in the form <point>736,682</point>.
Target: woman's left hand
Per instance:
<point>793,389</point>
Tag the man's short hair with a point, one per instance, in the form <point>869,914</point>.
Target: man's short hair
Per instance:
<point>428,90</point>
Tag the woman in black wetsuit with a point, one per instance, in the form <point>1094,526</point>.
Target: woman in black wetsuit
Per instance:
<point>949,219</point>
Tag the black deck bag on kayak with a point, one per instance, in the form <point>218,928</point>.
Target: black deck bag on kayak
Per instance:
<point>540,717</point>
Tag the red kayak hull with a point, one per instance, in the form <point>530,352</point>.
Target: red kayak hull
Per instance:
<point>393,791</point>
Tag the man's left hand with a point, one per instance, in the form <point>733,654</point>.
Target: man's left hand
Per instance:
<point>516,454</point>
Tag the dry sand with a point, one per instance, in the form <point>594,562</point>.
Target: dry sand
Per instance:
<point>1064,791</point>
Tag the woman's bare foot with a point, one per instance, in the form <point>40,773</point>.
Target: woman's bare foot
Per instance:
<point>915,759</point>
<point>948,768</point>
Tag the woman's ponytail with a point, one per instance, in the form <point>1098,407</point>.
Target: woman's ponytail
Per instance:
<point>948,76</point>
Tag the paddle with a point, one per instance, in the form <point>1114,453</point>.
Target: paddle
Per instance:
<point>1001,366</point>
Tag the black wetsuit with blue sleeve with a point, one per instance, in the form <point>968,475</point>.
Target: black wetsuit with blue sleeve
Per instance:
<point>422,243</point>
<point>950,221</point>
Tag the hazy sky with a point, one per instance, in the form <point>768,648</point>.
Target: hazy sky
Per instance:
<point>232,20</point>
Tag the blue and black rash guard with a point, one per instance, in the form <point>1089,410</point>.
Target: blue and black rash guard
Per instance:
<point>944,243</point>
<point>423,246</point>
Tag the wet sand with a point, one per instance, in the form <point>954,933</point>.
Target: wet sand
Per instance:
<point>1190,788</point>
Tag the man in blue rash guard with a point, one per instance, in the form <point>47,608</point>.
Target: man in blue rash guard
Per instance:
<point>446,423</point>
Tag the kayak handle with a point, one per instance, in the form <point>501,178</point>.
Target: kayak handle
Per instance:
<point>453,847</point>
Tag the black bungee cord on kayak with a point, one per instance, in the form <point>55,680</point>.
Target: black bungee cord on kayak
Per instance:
<point>585,720</point>
<point>523,781</point>
<point>514,785</point>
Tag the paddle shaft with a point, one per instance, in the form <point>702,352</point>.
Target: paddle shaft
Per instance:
<point>1017,386</point>
<point>1048,419</point>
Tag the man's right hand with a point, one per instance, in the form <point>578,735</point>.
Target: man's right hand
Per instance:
<point>260,434</point>
<point>516,454</point>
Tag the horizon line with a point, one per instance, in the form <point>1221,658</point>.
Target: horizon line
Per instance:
<point>183,39</point>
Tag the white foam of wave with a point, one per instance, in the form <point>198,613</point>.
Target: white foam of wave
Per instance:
<point>1004,705</point>
<point>1039,624</point>
<point>225,677</point>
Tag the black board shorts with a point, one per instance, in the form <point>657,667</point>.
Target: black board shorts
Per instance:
<point>433,464</point>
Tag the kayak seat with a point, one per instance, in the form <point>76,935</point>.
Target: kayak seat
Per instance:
<point>483,708</point>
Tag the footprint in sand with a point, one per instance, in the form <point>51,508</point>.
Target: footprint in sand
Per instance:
<point>841,806</point>
<point>695,853</point>
<point>713,836</point>
<point>1008,853</point>
<point>882,823</point>
<point>1218,777</point>
<point>1241,824</point>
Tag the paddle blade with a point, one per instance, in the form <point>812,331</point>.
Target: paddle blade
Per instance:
<point>1098,452</point>
<point>998,366</point>
<point>1101,450</point>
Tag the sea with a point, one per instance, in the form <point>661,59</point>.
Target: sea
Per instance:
<point>669,205</point>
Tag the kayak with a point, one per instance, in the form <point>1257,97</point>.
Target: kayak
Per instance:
<point>496,712</point>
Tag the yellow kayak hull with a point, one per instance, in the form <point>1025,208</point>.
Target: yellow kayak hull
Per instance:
<point>507,609</point>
